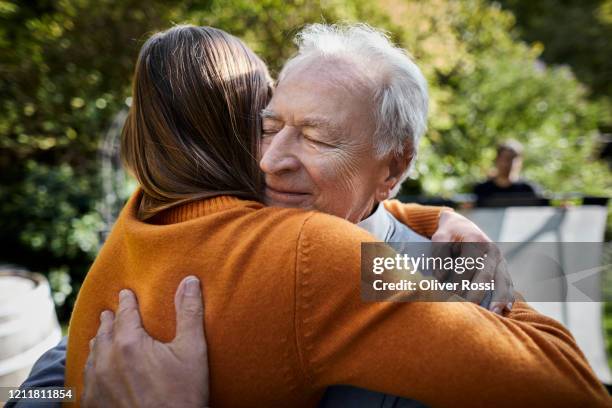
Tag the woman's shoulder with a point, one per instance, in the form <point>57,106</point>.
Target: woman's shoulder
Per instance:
<point>324,235</point>
<point>317,230</point>
<point>309,222</point>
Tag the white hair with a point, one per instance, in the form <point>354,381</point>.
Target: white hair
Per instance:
<point>401,99</point>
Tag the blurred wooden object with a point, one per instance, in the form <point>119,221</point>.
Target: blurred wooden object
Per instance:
<point>28,323</point>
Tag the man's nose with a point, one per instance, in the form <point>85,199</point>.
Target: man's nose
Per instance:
<point>279,155</point>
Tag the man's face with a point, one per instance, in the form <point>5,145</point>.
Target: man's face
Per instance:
<point>508,163</point>
<point>317,149</point>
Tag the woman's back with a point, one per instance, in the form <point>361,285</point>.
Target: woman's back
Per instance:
<point>245,256</point>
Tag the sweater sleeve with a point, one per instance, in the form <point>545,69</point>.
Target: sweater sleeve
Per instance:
<point>442,354</point>
<point>423,219</point>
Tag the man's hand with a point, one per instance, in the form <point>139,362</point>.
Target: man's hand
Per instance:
<point>454,227</point>
<point>128,368</point>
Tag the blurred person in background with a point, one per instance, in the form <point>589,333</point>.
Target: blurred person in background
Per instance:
<point>505,182</point>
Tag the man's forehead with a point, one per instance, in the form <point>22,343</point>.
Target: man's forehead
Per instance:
<point>316,96</point>
<point>328,73</point>
<point>336,68</point>
<point>309,104</point>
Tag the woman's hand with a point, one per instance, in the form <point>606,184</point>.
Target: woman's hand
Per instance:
<point>471,242</point>
<point>128,368</point>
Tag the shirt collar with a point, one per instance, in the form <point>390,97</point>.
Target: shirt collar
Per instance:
<point>378,223</point>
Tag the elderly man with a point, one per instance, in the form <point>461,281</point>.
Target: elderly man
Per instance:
<point>344,123</point>
<point>342,130</point>
<point>339,136</point>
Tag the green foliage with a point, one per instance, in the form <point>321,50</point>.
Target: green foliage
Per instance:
<point>576,33</point>
<point>65,72</point>
<point>268,26</point>
<point>61,286</point>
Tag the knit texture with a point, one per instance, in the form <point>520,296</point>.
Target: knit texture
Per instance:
<point>423,219</point>
<point>284,318</point>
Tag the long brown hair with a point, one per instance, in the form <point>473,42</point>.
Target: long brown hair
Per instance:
<point>194,126</point>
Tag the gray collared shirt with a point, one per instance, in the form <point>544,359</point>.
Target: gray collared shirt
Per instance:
<point>385,227</point>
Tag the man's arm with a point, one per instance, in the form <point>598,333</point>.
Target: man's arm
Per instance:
<point>450,226</point>
<point>125,358</point>
<point>48,371</point>
<point>442,354</point>
<point>423,219</point>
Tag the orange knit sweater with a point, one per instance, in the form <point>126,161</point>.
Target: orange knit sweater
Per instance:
<point>284,318</point>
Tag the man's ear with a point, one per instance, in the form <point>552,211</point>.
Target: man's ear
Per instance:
<point>398,164</point>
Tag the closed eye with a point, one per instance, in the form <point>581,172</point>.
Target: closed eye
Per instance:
<point>269,132</point>
<point>317,141</point>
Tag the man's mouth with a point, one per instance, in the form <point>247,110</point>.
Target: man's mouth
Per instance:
<point>280,196</point>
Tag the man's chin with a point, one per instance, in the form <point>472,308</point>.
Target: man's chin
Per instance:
<point>275,198</point>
